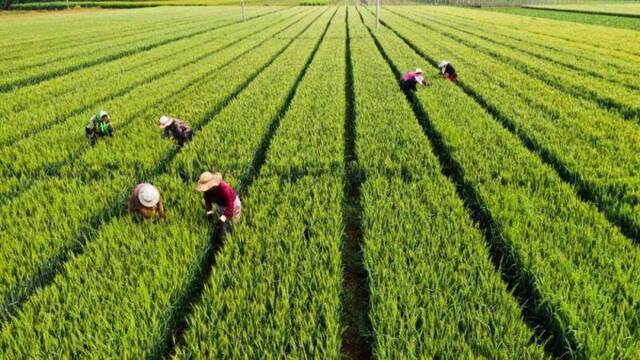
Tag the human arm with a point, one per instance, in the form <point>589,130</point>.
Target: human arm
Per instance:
<point>111,131</point>
<point>208,204</point>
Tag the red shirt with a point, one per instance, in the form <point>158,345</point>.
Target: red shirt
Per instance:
<point>223,195</point>
<point>411,76</point>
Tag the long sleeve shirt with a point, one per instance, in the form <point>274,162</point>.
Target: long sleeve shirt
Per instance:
<point>179,130</point>
<point>223,196</point>
<point>411,79</point>
<point>94,128</point>
<point>136,206</point>
<point>449,72</point>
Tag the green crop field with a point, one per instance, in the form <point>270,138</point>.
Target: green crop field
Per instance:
<point>614,8</point>
<point>622,22</point>
<point>495,217</point>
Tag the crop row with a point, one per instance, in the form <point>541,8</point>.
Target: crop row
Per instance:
<point>615,58</point>
<point>42,56</point>
<point>67,139</point>
<point>67,143</point>
<point>276,287</point>
<point>35,75</point>
<point>578,17</point>
<point>58,34</point>
<point>585,62</point>
<point>589,147</point>
<point>434,290</point>
<point>34,108</point>
<point>613,95</point>
<point>59,28</point>
<point>582,274</point>
<point>151,269</point>
<point>91,189</point>
<point>45,54</point>
<point>621,9</point>
<point>615,42</point>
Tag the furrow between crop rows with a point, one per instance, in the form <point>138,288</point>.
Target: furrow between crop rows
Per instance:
<point>428,262</point>
<point>50,241</point>
<point>591,149</point>
<point>51,58</point>
<point>280,269</point>
<point>635,16</point>
<point>64,98</point>
<point>49,30</point>
<point>568,256</point>
<point>70,146</point>
<point>245,179</point>
<point>606,95</point>
<point>623,64</point>
<point>357,336</point>
<point>591,38</point>
<point>586,64</point>
<point>24,80</point>
<point>25,60</point>
<point>167,258</point>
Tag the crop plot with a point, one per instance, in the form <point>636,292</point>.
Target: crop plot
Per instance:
<point>496,217</point>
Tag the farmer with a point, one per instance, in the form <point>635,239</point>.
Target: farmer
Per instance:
<point>410,80</point>
<point>447,71</point>
<point>99,126</point>
<point>178,129</point>
<point>145,200</point>
<point>228,206</point>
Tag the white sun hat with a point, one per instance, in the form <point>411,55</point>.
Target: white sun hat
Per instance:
<point>418,71</point>
<point>149,196</point>
<point>165,121</point>
<point>443,63</point>
<point>208,180</point>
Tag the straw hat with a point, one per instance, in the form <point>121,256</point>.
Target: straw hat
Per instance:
<point>443,63</point>
<point>149,196</point>
<point>418,71</point>
<point>165,121</point>
<point>208,180</point>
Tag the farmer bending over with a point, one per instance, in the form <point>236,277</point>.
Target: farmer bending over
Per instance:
<point>178,129</point>
<point>228,206</point>
<point>99,126</point>
<point>145,200</point>
<point>410,80</point>
<point>448,71</point>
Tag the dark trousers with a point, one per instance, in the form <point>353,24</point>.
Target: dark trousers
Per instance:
<point>407,86</point>
<point>183,140</point>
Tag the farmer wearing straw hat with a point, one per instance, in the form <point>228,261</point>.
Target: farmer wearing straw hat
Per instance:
<point>410,80</point>
<point>447,71</point>
<point>176,128</point>
<point>216,191</point>
<point>99,126</point>
<point>145,200</point>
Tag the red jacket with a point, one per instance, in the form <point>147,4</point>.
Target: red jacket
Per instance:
<point>223,196</point>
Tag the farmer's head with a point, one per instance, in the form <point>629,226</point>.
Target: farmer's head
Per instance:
<point>102,116</point>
